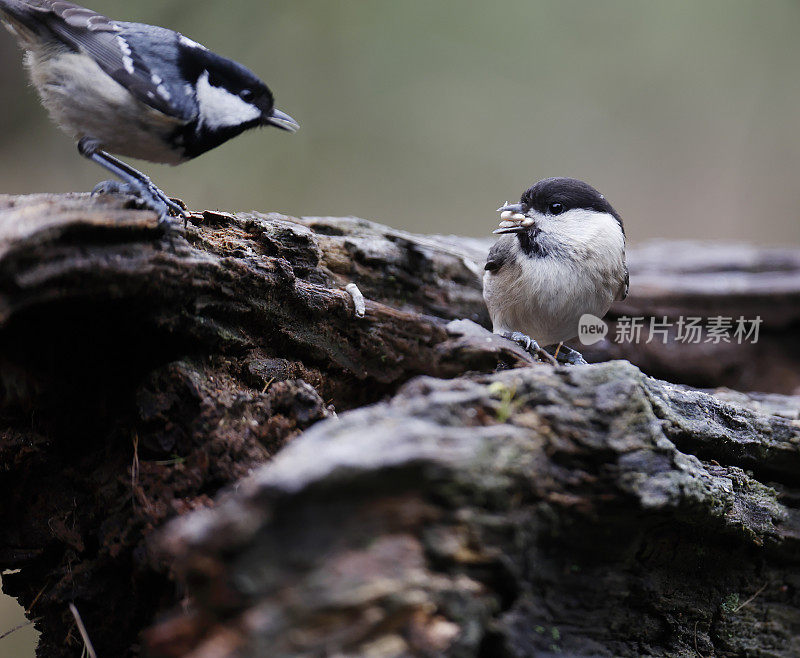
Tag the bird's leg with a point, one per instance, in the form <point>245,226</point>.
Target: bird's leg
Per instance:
<point>134,181</point>
<point>529,345</point>
<point>568,356</point>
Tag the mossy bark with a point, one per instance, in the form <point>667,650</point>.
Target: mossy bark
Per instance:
<point>532,512</point>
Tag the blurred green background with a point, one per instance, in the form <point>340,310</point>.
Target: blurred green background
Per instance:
<point>427,115</point>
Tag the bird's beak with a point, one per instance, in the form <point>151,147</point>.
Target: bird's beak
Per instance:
<point>281,120</point>
<point>515,208</point>
<point>513,219</point>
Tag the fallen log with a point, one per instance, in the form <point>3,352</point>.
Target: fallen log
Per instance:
<point>144,370</point>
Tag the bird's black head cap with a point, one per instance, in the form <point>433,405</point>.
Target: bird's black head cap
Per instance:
<point>557,195</point>
<point>227,74</point>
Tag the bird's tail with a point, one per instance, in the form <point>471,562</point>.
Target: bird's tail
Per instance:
<point>14,8</point>
<point>26,6</point>
<point>19,19</point>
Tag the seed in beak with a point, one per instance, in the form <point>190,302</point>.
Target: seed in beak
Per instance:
<point>510,216</point>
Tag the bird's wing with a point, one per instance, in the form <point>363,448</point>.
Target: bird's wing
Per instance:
<point>498,255</point>
<point>622,293</point>
<point>104,40</point>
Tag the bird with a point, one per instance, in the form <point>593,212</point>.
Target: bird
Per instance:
<point>560,255</point>
<point>135,90</point>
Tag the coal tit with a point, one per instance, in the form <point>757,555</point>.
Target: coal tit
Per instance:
<point>135,90</point>
<point>561,254</point>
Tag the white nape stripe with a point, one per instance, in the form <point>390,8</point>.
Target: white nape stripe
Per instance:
<point>186,41</point>
<point>219,108</point>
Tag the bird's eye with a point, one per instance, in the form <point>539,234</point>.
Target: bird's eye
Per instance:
<point>246,95</point>
<point>556,208</point>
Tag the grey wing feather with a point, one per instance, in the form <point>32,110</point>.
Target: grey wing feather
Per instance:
<point>104,41</point>
<point>497,257</point>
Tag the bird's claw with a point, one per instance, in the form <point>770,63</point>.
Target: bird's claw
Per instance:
<point>529,345</point>
<point>175,209</point>
<point>113,187</point>
<point>570,357</point>
<point>153,199</point>
<point>521,339</point>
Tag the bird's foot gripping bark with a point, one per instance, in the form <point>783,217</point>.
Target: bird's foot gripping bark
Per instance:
<point>134,182</point>
<point>529,345</point>
<point>568,356</point>
<point>149,197</point>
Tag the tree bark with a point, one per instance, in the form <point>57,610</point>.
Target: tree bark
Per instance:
<point>144,370</point>
<point>588,511</point>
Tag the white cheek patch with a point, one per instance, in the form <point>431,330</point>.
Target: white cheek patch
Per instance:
<point>588,225</point>
<point>586,232</point>
<point>219,108</point>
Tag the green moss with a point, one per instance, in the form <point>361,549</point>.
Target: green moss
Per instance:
<point>730,603</point>
<point>174,460</point>
<point>506,396</point>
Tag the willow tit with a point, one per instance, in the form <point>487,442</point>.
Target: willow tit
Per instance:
<point>135,90</point>
<point>561,254</point>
